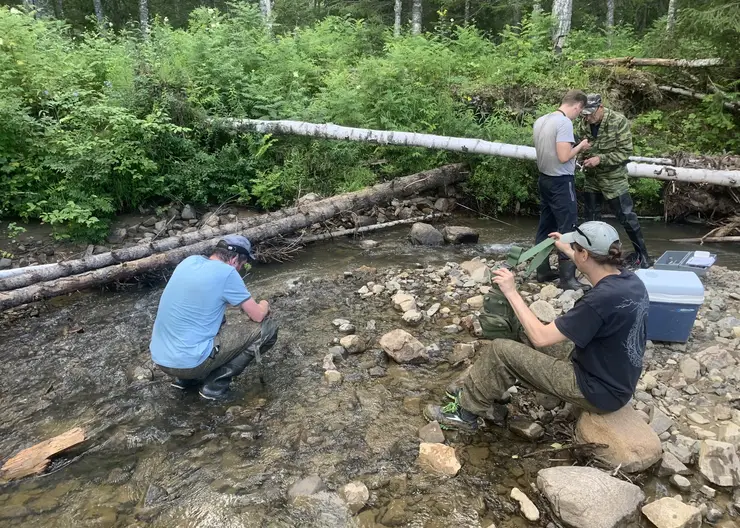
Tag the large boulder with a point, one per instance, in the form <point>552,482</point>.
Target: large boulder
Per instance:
<point>714,357</point>
<point>403,347</point>
<point>425,235</point>
<point>718,462</point>
<point>585,497</point>
<point>672,513</point>
<point>633,445</point>
<point>438,458</point>
<point>460,235</point>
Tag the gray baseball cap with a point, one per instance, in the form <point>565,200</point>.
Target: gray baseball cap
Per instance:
<point>593,102</point>
<point>238,244</point>
<point>595,237</point>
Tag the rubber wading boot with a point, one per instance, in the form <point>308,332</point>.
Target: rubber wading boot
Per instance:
<point>568,276</point>
<point>184,384</point>
<point>216,385</point>
<point>545,273</point>
<point>624,209</point>
<point>592,206</point>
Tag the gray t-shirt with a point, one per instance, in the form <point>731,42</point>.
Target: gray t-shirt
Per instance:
<point>549,130</point>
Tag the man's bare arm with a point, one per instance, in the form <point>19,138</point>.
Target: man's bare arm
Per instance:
<point>256,311</point>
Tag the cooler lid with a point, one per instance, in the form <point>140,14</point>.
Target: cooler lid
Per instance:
<point>678,287</point>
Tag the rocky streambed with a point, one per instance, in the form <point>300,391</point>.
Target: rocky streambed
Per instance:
<point>335,436</point>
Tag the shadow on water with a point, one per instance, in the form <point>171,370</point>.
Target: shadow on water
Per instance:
<point>160,457</point>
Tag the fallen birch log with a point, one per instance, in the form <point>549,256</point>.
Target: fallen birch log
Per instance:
<point>670,63</point>
<point>701,240</point>
<point>365,229</point>
<point>468,145</point>
<point>732,107</point>
<point>35,459</point>
<point>313,213</point>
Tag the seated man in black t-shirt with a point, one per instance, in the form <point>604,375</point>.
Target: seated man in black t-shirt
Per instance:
<point>607,325</point>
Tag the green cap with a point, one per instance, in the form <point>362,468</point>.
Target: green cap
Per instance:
<point>595,237</point>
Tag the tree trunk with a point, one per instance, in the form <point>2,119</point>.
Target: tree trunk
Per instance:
<point>416,17</point>
<point>731,106</point>
<point>472,146</point>
<point>365,229</point>
<point>397,18</point>
<point>144,17</point>
<point>466,16</point>
<point>706,239</point>
<point>99,12</point>
<point>563,12</point>
<point>671,15</point>
<point>632,61</point>
<point>609,15</point>
<point>266,10</point>
<point>60,9</point>
<point>317,212</point>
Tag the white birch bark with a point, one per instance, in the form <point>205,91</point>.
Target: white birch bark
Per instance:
<point>468,145</point>
<point>99,12</point>
<point>60,9</point>
<point>563,12</point>
<point>266,10</point>
<point>671,15</point>
<point>466,16</point>
<point>609,14</point>
<point>397,18</point>
<point>144,17</point>
<point>416,17</point>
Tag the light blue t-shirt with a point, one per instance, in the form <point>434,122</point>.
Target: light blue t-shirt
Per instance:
<point>191,311</point>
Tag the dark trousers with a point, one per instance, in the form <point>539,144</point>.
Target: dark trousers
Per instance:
<point>558,206</point>
<point>623,208</point>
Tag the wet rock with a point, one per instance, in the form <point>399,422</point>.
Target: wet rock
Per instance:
<point>544,311</point>
<point>681,482</point>
<point>347,328</point>
<point>670,465</point>
<point>333,377</point>
<point>376,372</point>
<point>188,213</point>
<point>547,401</point>
<point>328,363</point>
<point>338,353</point>
<point>444,205</point>
<point>585,497</point>
<point>461,352</point>
<point>117,236</point>
<point>691,369</point>
<point>526,429</point>
<point>526,506</point>
<point>431,433</point>
<point>713,515</point>
<point>305,487</point>
<point>438,458</point>
<point>671,513</point>
<point>718,462</point>
<point>339,322</point>
<point>460,235</point>
<point>475,303</point>
<point>403,347</point>
<point>403,302</point>
<point>707,491</point>
<point>633,445</point>
<point>353,344</point>
<point>395,514</point>
<point>368,244</point>
<point>412,317</point>
<point>355,494</point>
<point>154,495</point>
<point>715,357</point>
<point>425,235</point>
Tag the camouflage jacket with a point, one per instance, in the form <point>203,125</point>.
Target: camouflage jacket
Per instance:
<point>613,143</point>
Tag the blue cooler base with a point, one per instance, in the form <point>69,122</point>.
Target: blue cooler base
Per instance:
<point>671,322</point>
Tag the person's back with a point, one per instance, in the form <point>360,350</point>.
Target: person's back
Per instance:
<point>191,311</point>
<point>549,130</point>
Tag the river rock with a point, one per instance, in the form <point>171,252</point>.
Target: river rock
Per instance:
<point>188,213</point>
<point>671,513</point>
<point>212,220</point>
<point>633,445</point>
<point>585,497</point>
<point>425,235</point>
<point>526,429</point>
<point>355,494</point>
<point>444,205</point>
<point>659,421</point>
<point>715,357</point>
<point>328,363</point>
<point>333,377</point>
<point>730,433</point>
<point>691,369</point>
<point>433,309</point>
<point>412,317</point>
<point>719,464</point>
<point>481,275</point>
<point>438,458</point>
<point>347,328</point>
<point>403,347</point>
<point>403,302</point>
<point>461,352</point>
<point>368,244</point>
<point>305,487</point>
<point>353,344</point>
<point>475,303</point>
<point>549,292</point>
<point>432,433</point>
<point>680,482</point>
<point>527,507</point>
<point>543,310</point>
<point>670,465</point>
<point>460,235</point>
<point>117,236</point>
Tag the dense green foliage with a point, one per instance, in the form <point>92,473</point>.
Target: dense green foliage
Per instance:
<point>92,124</point>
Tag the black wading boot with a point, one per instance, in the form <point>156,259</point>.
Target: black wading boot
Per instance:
<point>545,273</point>
<point>216,385</point>
<point>184,384</point>
<point>623,208</point>
<point>568,276</point>
<point>592,206</point>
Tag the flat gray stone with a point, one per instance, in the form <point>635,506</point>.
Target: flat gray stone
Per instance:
<point>305,487</point>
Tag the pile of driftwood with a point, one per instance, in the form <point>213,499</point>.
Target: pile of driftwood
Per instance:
<point>42,282</point>
<point>728,231</point>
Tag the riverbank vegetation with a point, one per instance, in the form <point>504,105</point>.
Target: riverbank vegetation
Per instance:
<point>97,120</point>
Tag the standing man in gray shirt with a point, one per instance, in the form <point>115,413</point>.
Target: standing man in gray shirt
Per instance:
<point>556,162</point>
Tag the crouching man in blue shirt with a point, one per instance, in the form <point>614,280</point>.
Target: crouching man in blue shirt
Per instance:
<point>192,340</point>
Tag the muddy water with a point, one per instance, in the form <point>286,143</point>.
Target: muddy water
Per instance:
<point>163,458</point>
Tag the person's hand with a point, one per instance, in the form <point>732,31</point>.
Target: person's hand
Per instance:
<point>265,306</point>
<point>504,279</point>
<point>584,144</point>
<point>591,162</point>
<point>561,246</point>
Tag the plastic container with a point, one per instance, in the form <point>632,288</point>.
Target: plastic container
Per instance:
<point>675,299</point>
<point>680,261</point>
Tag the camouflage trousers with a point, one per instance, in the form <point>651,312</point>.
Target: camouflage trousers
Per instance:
<point>503,363</point>
<point>611,183</point>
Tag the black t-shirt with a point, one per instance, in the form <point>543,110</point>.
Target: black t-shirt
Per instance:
<point>609,328</point>
<point>595,130</point>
